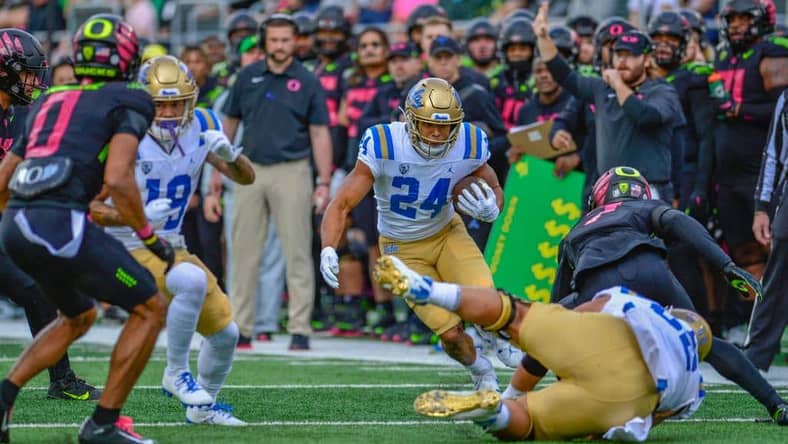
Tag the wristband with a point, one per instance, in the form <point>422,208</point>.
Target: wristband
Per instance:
<point>145,232</point>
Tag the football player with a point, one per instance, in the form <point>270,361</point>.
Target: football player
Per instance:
<point>168,167</point>
<point>22,67</point>
<point>413,167</point>
<point>84,137</point>
<point>621,371</point>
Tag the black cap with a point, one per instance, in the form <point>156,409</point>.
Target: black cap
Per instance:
<point>633,41</point>
<point>445,44</point>
<point>583,25</point>
<point>403,49</point>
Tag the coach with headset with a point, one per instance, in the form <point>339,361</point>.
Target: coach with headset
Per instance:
<point>283,109</point>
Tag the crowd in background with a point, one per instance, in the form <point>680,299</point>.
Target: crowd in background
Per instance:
<point>366,54</point>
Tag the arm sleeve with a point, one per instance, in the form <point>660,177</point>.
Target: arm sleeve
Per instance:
<point>659,109</point>
<point>703,122</point>
<point>672,223</point>
<point>579,86</point>
<point>771,166</point>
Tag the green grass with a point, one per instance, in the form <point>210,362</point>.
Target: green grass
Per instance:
<point>292,415</point>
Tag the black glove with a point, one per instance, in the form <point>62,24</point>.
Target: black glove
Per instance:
<point>742,281</point>
<point>161,248</point>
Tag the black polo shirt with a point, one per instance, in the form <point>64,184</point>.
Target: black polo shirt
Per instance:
<point>276,110</point>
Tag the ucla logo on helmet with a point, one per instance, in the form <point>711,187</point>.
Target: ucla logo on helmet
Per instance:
<point>417,98</point>
<point>440,116</point>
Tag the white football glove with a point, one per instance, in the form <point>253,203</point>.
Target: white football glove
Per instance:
<point>220,145</point>
<point>479,204</point>
<point>329,266</point>
<point>158,211</point>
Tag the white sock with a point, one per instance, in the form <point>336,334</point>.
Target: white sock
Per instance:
<point>445,295</point>
<point>500,421</point>
<point>187,283</point>
<point>480,366</point>
<point>511,392</point>
<point>216,359</point>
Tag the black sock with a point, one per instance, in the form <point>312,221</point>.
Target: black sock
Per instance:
<point>104,416</point>
<point>8,392</point>
<point>60,370</point>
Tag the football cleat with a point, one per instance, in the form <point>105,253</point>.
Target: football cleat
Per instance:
<point>72,387</point>
<point>121,432</point>
<point>486,381</point>
<point>5,423</point>
<point>507,353</point>
<point>478,406</point>
<point>483,341</point>
<point>216,414</point>
<point>781,415</point>
<point>392,274</point>
<point>186,389</point>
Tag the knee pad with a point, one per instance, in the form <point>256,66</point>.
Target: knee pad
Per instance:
<point>227,337</point>
<point>187,278</point>
<point>748,254</point>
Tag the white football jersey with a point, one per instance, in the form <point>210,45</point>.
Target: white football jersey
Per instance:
<point>668,346</point>
<point>174,175</point>
<point>414,194</point>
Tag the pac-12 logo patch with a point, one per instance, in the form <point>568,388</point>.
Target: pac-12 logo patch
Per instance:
<point>146,167</point>
<point>404,168</point>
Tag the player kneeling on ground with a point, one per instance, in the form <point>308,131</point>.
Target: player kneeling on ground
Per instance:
<point>621,371</point>
<point>168,169</point>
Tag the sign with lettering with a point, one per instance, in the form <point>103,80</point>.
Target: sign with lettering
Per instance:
<point>539,210</point>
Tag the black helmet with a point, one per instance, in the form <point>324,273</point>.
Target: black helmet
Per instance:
<point>583,25</point>
<point>695,20</point>
<point>606,32</point>
<point>518,14</point>
<point>517,31</point>
<point>306,26</point>
<point>332,18</point>
<point>481,27</point>
<point>241,20</point>
<point>764,18</point>
<point>421,13</point>
<point>105,47</point>
<point>618,184</point>
<point>20,51</point>
<point>566,41</point>
<point>673,24</point>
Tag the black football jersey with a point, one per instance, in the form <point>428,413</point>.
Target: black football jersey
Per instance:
<point>77,122</point>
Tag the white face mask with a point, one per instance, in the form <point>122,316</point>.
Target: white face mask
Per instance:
<point>429,151</point>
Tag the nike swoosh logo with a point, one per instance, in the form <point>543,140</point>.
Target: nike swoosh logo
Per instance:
<point>257,79</point>
<point>82,397</point>
<point>4,424</point>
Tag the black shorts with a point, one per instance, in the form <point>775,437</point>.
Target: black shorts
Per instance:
<point>99,267</point>
<point>644,271</point>
<point>736,205</point>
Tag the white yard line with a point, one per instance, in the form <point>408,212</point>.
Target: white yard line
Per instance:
<point>338,423</point>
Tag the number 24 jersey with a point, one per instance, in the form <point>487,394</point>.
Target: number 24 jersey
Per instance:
<point>414,194</point>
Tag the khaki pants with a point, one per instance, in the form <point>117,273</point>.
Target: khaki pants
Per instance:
<point>282,191</point>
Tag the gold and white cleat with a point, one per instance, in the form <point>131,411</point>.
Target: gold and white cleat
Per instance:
<point>476,406</point>
<point>389,276</point>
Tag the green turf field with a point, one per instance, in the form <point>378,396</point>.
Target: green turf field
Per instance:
<point>289,400</point>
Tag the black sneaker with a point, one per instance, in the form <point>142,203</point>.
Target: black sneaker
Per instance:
<point>73,388</point>
<point>5,423</point>
<point>299,342</point>
<point>379,327</point>
<point>780,415</point>
<point>92,433</point>
<point>244,343</point>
